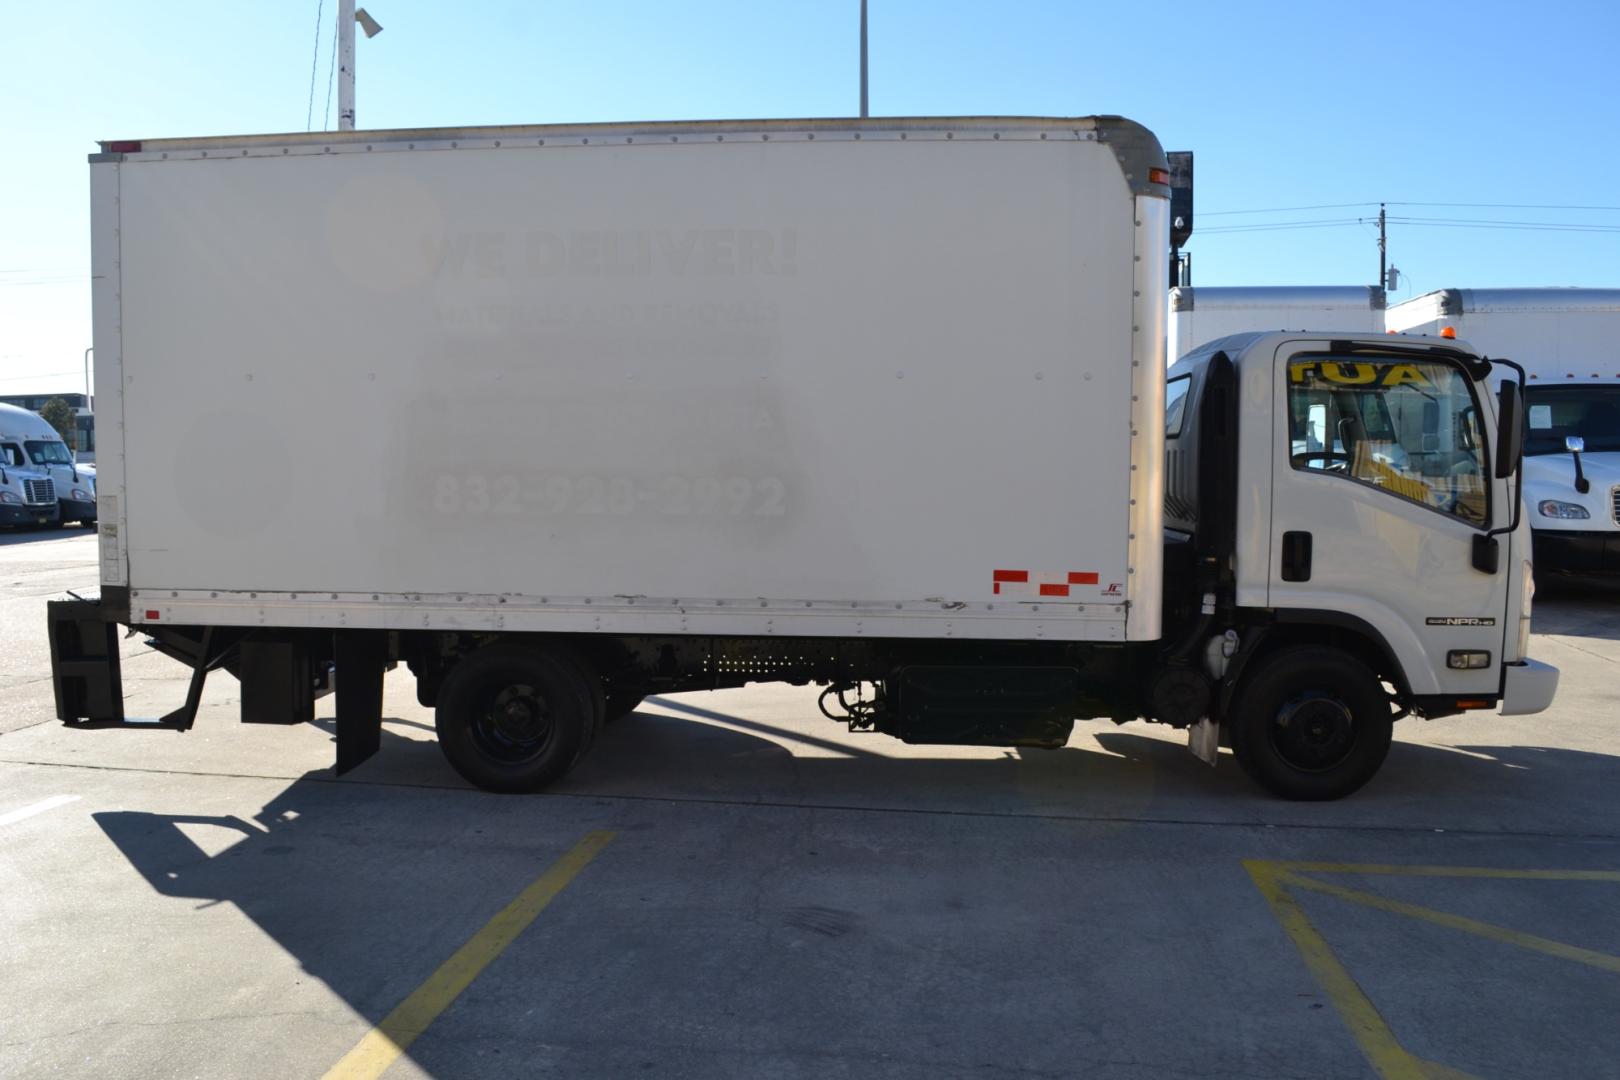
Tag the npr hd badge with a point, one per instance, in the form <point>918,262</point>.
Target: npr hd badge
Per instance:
<point>1458,620</point>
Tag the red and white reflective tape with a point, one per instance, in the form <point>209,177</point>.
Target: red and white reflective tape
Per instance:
<point>1039,583</point>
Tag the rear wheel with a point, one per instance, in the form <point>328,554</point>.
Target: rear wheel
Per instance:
<point>512,718</point>
<point>1312,723</point>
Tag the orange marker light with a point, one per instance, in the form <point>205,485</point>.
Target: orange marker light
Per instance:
<point>1158,176</point>
<point>1448,331</point>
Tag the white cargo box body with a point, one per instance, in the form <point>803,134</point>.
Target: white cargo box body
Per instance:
<point>889,378</point>
<point>1202,314</point>
<point>1558,335</point>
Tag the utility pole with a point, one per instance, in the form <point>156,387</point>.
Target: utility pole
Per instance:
<point>345,31</point>
<point>1383,249</point>
<point>347,17</point>
<point>863,59</point>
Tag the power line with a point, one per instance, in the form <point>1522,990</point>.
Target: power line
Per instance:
<point>1286,209</point>
<point>1459,205</point>
<point>331,72</point>
<point>1509,206</point>
<point>314,62</point>
<point>1279,226</point>
<point>1496,223</point>
<point>1509,226</point>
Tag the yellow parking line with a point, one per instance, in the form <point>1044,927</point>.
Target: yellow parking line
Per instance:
<point>384,1043</point>
<point>1368,1028</point>
<point>1447,871</point>
<point>1491,931</point>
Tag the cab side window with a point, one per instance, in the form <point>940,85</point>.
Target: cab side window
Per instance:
<point>1409,428</point>
<point>11,454</point>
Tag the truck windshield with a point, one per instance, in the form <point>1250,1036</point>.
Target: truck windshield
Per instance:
<point>1556,412</point>
<point>48,453</point>
<point>1409,428</point>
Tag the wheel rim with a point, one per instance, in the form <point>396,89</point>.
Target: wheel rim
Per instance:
<point>514,724</point>
<point>1313,732</point>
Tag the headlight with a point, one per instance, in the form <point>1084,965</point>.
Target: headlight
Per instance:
<point>8,497</point>
<point>80,495</point>
<point>1568,511</point>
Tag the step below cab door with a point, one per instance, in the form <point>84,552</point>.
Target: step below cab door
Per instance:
<point>1381,481</point>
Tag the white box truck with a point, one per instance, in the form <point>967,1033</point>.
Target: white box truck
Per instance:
<point>1568,341</point>
<point>1201,314</point>
<point>28,441</point>
<point>879,405</point>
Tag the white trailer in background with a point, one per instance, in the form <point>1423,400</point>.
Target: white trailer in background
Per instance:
<point>1568,341</point>
<point>646,408</point>
<point>1199,315</point>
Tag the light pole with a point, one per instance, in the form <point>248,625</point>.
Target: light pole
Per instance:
<point>89,402</point>
<point>863,59</point>
<point>347,17</point>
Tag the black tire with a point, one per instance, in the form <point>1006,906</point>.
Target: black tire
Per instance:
<point>592,683</point>
<point>512,718</point>
<point>1311,724</point>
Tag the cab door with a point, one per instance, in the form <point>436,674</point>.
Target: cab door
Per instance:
<point>1381,480</point>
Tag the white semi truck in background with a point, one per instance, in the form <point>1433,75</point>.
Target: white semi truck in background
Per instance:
<point>28,441</point>
<point>27,492</point>
<point>1568,341</point>
<point>1202,314</point>
<point>880,405</point>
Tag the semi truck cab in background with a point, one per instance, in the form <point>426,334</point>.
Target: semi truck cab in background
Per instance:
<point>28,442</point>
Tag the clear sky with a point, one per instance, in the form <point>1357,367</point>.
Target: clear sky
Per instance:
<point>1284,104</point>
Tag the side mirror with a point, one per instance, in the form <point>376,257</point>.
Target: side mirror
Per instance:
<point>1575,444</point>
<point>1510,432</point>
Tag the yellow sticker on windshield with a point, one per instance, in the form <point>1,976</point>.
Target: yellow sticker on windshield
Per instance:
<point>1357,373</point>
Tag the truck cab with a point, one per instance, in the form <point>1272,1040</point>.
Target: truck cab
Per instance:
<point>1370,526</point>
<point>1572,473</point>
<point>29,443</point>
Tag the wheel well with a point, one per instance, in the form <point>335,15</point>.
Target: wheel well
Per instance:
<point>1364,645</point>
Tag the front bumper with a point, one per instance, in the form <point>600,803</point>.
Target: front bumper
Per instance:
<point>1577,552</point>
<point>12,514</point>
<point>73,510</point>
<point>1527,687</point>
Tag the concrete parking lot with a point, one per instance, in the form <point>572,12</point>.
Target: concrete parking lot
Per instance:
<point>733,886</point>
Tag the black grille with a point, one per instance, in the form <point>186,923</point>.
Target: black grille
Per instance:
<point>39,491</point>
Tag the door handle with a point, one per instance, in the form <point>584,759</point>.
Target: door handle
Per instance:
<point>1296,556</point>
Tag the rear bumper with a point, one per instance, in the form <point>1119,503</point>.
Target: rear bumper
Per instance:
<point>12,514</point>
<point>1577,552</point>
<point>1527,687</point>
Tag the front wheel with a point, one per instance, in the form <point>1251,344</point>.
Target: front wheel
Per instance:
<point>514,719</point>
<point>1312,723</point>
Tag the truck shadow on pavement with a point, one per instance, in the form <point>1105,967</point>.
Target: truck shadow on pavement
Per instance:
<point>372,881</point>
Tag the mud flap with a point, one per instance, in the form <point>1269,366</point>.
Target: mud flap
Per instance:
<point>1204,740</point>
<point>362,658</point>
